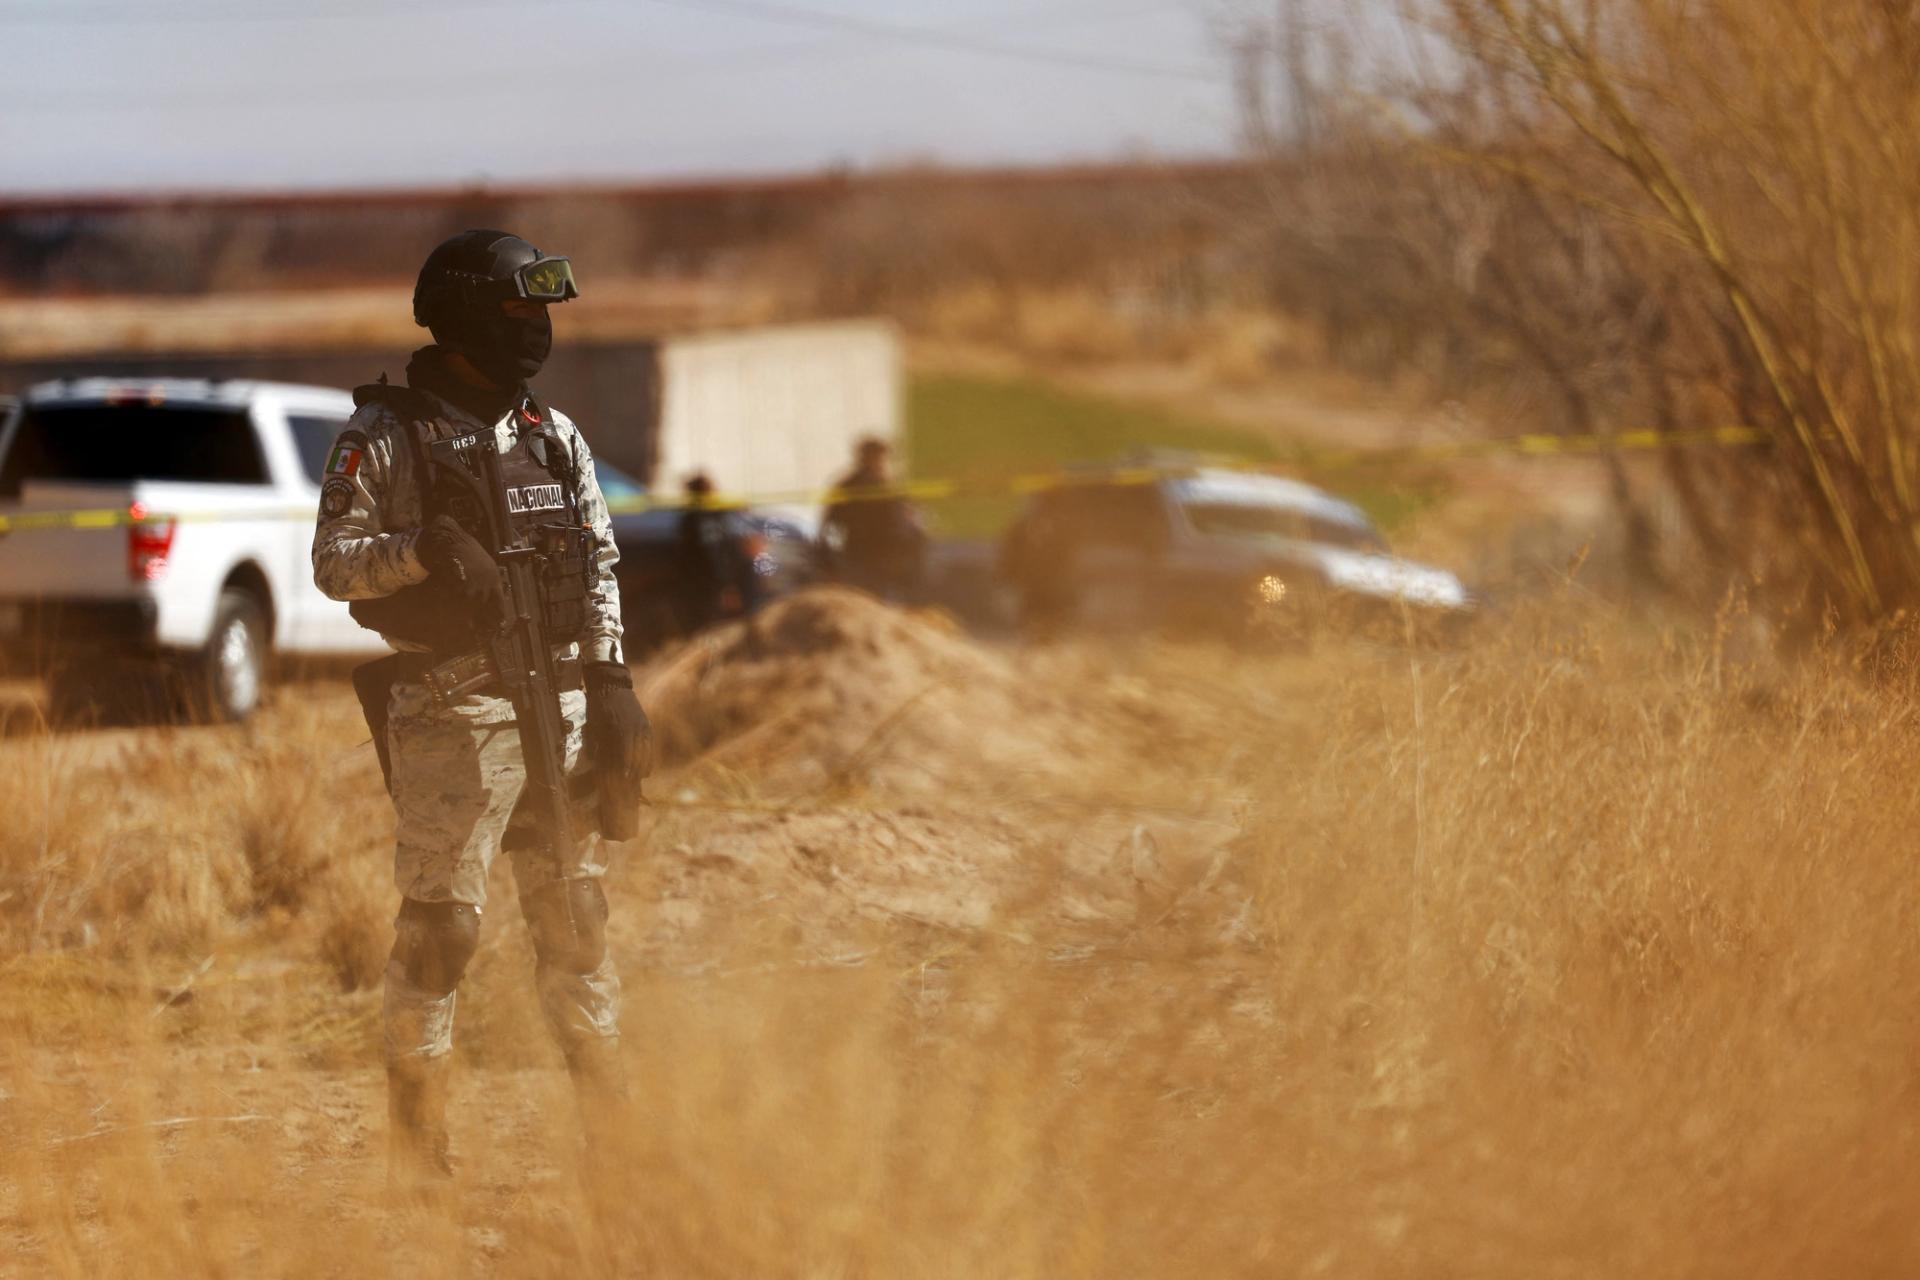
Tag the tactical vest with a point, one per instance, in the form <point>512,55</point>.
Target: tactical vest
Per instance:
<point>543,508</point>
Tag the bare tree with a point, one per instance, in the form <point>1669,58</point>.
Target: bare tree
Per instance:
<point>1681,213</point>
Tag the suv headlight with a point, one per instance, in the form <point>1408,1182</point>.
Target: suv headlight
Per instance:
<point>1270,591</point>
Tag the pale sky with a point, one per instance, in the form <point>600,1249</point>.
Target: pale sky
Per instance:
<point>132,95</point>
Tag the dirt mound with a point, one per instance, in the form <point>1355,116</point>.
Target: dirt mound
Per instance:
<point>831,688</point>
<point>853,761</point>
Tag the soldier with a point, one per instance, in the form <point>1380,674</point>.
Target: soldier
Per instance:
<point>417,573</point>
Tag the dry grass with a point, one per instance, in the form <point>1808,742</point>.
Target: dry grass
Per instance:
<point>1068,328</point>
<point>41,328</point>
<point>167,839</point>
<point>1585,953</point>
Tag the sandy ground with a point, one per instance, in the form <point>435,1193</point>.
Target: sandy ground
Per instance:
<point>852,798</point>
<point>1570,953</point>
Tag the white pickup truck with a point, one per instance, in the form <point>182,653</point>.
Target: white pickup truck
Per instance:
<point>204,572</point>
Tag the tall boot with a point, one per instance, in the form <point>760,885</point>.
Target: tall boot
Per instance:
<point>600,1090</point>
<point>418,1151</point>
<point>598,1078</point>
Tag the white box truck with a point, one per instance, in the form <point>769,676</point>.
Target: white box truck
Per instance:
<point>774,412</point>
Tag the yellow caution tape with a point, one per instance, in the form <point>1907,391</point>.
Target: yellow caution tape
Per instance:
<point>1527,446</point>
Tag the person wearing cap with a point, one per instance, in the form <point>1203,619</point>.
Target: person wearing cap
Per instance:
<point>872,535</point>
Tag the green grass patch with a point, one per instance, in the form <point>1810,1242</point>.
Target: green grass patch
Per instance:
<point>968,427</point>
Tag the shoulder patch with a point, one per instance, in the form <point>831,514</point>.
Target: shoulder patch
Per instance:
<point>336,498</point>
<point>346,455</point>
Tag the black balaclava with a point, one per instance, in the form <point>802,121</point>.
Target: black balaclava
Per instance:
<point>507,350</point>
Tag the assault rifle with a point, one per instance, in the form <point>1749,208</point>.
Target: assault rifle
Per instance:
<point>465,477</point>
<point>461,477</point>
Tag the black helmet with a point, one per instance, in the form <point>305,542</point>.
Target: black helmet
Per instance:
<point>458,297</point>
<point>483,267</point>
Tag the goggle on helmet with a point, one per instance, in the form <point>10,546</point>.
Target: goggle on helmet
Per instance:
<point>543,280</point>
<point>479,268</point>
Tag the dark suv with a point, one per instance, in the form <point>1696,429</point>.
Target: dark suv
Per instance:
<point>1212,550</point>
<point>653,567</point>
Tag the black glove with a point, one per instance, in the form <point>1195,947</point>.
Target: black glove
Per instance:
<point>456,558</point>
<point>619,745</point>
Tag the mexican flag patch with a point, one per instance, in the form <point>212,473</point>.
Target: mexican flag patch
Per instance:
<point>343,461</point>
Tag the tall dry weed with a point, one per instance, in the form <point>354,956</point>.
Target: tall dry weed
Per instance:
<point>166,838</point>
<point>1587,952</point>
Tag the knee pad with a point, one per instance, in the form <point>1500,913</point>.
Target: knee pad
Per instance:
<point>434,941</point>
<point>568,920</point>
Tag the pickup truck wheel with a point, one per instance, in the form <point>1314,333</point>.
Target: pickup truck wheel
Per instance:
<point>232,668</point>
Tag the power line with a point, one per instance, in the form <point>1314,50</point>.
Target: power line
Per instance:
<point>156,14</point>
<point>395,87</point>
<point>62,14</point>
<point>927,37</point>
<point>401,88</point>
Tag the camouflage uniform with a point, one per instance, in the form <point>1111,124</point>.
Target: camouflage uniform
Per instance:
<point>457,771</point>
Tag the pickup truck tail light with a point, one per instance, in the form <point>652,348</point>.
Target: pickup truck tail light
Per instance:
<point>149,541</point>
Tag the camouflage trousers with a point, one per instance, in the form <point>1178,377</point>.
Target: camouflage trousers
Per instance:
<point>457,782</point>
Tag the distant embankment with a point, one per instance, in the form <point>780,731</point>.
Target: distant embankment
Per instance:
<point>188,243</point>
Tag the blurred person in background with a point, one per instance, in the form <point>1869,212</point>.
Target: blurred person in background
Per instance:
<point>399,550</point>
<point>872,536</point>
<point>713,567</point>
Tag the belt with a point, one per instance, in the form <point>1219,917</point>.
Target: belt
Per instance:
<point>447,680</point>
